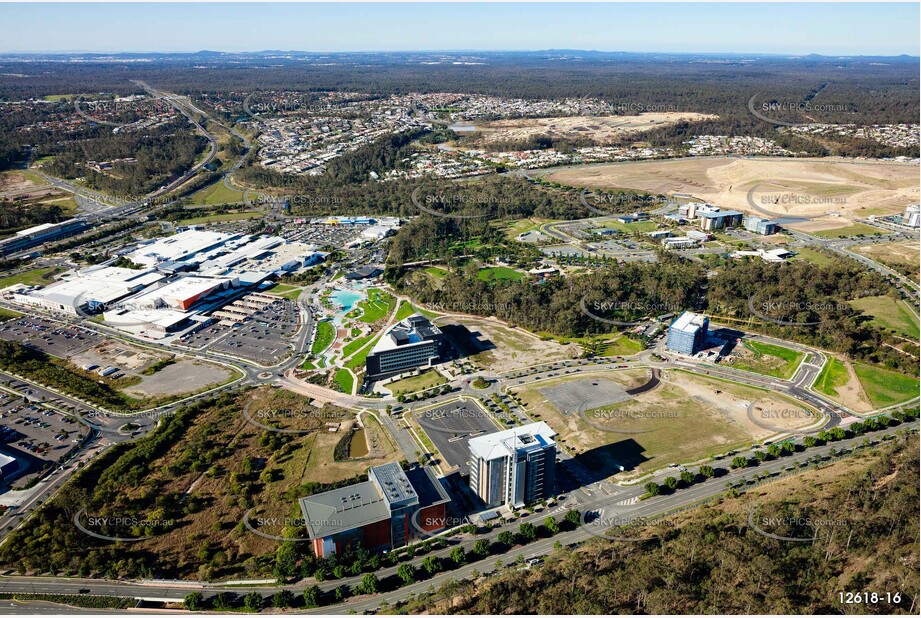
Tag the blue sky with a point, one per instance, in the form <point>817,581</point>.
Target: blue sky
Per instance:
<point>822,28</point>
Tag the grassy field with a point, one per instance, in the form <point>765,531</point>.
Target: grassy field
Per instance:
<point>885,387</point>
<point>289,292</point>
<point>497,273</point>
<point>435,271</point>
<point>39,276</point>
<point>326,332</point>
<point>685,418</point>
<point>377,306</point>
<point>217,218</point>
<point>424,380</point>
<point>622,346</point>
<point>858,229</point>
<point>355,344</point>
<point>638,227</point>
<point>833,376</point>
<point>811,255</point>
<point>218,193</point>
<point>769,360</point>
<point>359,359</point>
<point>7,314</point>
<point>889,313</point>
<point>345,381</point>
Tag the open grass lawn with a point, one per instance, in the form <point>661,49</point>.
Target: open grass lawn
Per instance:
<point>885,387</point>
<point>326,333</point>
<point>622,346</point>
<point>496,273</point>
<point>377,306</point>
<point>435,271</point>
<point>344,380</point>
<point>424,380</point>
<point>811,255</point>
<point>769,360</point>
<point>858,229</point>
<point>289,292</point>
<point>889,313</point>
<point>359,359</point>
<point>833,376</point>
<point>217,193</point>
<point>217,218</point>
<point>39,276</point>
<point>355,344</point>
<point>686,418</point>
<point>7,314</point>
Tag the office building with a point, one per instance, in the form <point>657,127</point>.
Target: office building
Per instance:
<point>515,467</point>
<point>765,227</point>
<point>406,345</point>
<point>912,216</point>
<point>688,333</point>
<point>719,219</point>
<point>381,514</point>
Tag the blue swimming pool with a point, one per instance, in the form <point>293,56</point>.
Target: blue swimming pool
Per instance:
<point>347,299</point>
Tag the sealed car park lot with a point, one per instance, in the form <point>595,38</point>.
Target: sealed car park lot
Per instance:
<point>37,434</point>
<point>47,336</point>
<point>451,425</point>
<point>263,337</point>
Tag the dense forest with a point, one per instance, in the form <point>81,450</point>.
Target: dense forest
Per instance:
<point>711,561</point>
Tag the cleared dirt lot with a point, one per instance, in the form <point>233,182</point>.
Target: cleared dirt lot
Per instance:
<point>500,348</point>
<point>684,419</point>
<point>814,187</point>
<point>599,128</point>
<point>184,376</point>
<point>893,252</point>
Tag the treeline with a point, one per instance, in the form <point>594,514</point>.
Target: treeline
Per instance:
<point>346,190</point>
<point>857,89</point>
<point>160,154</point>
<point>711,561</point>
<point>816,300</point>
<point>47,544</point>
<point>812,301</point>
<point>566,306</point>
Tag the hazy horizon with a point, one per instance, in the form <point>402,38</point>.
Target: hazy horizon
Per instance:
<point>826,29</point>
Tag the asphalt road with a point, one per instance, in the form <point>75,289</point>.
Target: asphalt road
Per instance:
<point>599,501</point>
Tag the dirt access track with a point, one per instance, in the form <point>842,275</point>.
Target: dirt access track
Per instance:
<point>805,187</point>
